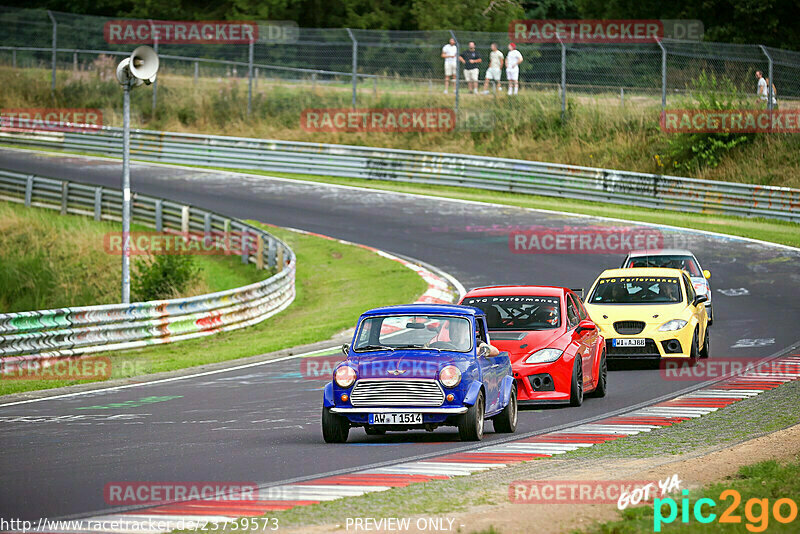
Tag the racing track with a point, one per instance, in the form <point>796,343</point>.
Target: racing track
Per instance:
<point>261,423</point>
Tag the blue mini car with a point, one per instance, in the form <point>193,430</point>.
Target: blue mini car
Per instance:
<point>420,366</point>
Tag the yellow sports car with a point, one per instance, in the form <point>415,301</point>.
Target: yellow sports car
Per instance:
<point>649,313</point>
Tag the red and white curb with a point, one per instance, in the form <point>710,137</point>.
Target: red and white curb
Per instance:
<point>662,414</point>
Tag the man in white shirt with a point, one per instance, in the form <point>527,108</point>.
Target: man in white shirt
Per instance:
<point>449,52</point>
<point>494,71</point>
<point>763,89</point>
<point>513,59</point>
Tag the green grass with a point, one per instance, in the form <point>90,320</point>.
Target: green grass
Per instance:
<point>51,261</point>
<point>335,284</point>
<point>598,131</point>
<point>769,480</point>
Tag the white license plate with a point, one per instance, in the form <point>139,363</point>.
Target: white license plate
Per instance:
<point>627,342</point>
<point>395,419</point>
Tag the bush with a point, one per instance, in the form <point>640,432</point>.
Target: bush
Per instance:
<point>694,151</point>
<point>163,277</point>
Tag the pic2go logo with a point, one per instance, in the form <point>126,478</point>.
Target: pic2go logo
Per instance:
<point>756,511</point>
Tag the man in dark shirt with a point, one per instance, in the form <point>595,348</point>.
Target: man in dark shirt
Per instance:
<point>470,58</point>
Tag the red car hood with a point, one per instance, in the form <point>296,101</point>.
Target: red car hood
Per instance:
<point>520,346</point>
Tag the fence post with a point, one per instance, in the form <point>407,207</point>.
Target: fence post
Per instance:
<point>313,81</point>
<point>75,61</point>
<point>98,203</point>
<point>453,35</point>
<point>196,71</point>
<point>769,84</point>
<point>375,86</point>
<point>663,75</point>
<point>155,83</point>
<point>354,75</point>
<point>622,96</point>
<point>55,39</point>
<point>255,78</point>
<point>250,77</point>
<point>563,80</point>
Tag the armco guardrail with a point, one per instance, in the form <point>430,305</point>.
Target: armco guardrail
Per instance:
<point>72,331</point>
<point>497,174</point>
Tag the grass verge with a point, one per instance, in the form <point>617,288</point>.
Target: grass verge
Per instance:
<point>335,283</point>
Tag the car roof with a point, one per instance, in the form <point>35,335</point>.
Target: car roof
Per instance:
<point>661,252</point>
<point>641,271</point>
<point>437,309</point>
<point>499,291</point>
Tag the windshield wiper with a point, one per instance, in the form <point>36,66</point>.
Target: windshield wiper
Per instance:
<point>375,347</point>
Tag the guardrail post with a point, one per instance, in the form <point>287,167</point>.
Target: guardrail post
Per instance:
<point>458,47</point>
<point>29,190</point>
<point>250,77</point>
<point>663,75</point>
<point>207,229</point>
<point>159,215</point>
<point>354,74</point>
<point>259,252</point>
<point>98,203</point>
<point>64,196</point>
<point>185,219</point>
<point>55,39</point>
<point>196,71</point>
<point>244,239</point>
<point>271,253</point>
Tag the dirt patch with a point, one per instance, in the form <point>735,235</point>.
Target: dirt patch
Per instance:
<point>695,469</point>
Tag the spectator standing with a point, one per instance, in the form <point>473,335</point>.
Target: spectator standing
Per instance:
<point>471,59</point>
<point>449,52</point>
<point>494,71</point>
<point>763,88</point>
<point>513,59</point>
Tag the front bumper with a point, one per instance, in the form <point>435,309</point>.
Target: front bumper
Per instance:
<point>658,345</point>
<point>543,383</point>
<point>446,410</point>
<point>430,416</point>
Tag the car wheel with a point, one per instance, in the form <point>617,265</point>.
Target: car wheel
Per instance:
<point>335,428</point>
<point>695,350</point>
<point>470,425</point>
<point>576,391</point>
<point>506,421</point>
<point>372,431</point>
<point>602,382</point>
<point>706,350</point>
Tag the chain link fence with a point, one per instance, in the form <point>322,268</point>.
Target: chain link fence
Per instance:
<point>364,66</point>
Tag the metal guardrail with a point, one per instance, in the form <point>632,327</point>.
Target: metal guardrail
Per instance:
<point>495,174</point>
<point>79,330</point>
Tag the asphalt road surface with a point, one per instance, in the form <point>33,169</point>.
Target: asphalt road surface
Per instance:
<point>261,423</point>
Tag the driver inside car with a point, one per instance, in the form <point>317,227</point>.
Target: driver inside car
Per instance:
<point>459,335</point>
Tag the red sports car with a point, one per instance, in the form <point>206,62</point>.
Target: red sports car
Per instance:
<point>557,352</point>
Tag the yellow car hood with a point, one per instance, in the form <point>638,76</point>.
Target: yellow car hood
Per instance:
<point>606,314</point>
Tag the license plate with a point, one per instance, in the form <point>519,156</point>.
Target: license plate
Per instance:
<point>628,342</point>
<point>395,418</point>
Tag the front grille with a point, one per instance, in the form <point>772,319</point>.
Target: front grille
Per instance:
<point>629,328</point>
<point>650,350</point>
<point>393,392</point>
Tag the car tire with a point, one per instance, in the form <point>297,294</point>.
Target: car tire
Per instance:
<point>576,388</point>
<point>602,382</point>
<point>470,424</point>
<point>372,431</point>
<point>705,352</point>
<point>506,421</point>
<point>694,353</point>
<point>335,428</point>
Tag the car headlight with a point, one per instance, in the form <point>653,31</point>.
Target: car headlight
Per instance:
<point>345,376</point>
<point>450,376</point>
<point>669,326</point>
<point>544,356</point>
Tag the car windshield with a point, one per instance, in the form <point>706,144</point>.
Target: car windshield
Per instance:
<point>637,290</point>
<point>518,312</point>
<point>389,332</point>
<point>670,261</point>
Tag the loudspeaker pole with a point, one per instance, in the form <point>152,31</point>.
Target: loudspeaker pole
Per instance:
<point>126,192</point>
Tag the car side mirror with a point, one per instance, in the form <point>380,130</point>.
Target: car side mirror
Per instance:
<point>700,298</point>
<point>586,324</point>
<point>346,349</point>
<point>707,274</point>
